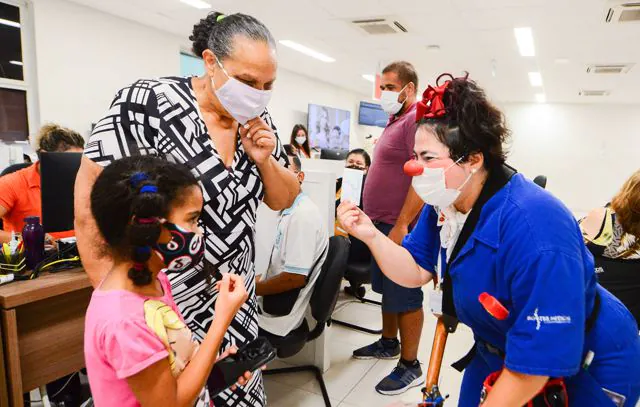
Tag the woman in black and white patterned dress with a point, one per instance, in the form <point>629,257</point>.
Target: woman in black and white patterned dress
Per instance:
<point>217,125</point>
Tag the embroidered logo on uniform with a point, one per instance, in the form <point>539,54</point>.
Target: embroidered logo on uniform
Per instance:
<point>599,270</point>
<point>548,319</point>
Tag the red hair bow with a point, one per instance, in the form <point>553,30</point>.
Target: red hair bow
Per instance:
<point>431,106</point>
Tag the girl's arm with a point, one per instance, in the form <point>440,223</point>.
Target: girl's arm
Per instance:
<point>156,386</point>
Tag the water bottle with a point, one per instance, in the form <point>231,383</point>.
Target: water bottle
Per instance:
<point>33,237</point>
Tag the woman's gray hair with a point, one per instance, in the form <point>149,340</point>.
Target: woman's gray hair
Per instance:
<point>217,32</point>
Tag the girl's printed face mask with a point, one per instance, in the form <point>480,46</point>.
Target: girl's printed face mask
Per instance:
<point>186,248</point>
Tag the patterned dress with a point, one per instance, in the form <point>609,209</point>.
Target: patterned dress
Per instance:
<point>162,117</point>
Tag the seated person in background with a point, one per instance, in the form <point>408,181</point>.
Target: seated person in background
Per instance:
<point>19,198</point>
<point>357,159</point>
<point>20,191</point>
<point>297,256</point>
<point>613,233</point>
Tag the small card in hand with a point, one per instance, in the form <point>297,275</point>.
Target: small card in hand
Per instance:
<point>351,185</point>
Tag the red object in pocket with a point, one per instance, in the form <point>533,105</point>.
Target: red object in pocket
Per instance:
<point>493,306</point>
<point>553,394</point>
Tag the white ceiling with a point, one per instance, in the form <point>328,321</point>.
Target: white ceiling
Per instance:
<point>471,34</point>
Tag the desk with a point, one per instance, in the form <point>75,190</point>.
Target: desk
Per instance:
<point>42,331</point>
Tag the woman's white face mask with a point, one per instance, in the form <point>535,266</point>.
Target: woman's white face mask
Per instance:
<point>241,101</point>
<point>432,188</point>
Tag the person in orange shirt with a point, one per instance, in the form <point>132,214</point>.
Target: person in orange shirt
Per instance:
<point>20,191</point>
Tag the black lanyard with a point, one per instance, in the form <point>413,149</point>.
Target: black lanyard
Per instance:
<point>497,178</point>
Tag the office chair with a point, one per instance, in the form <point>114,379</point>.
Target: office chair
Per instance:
<point>620,278</point>
<point>329,154</point>
<point>541,181</point>
<point>358,274</point>
<point>323,300</point>
<point>13,168</point>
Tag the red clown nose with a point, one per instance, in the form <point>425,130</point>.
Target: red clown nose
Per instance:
<point>413,168</point>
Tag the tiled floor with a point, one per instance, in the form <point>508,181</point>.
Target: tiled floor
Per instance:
<point>351,382</point>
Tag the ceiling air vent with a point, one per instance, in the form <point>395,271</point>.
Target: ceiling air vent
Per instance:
<point>585,92</point>
<point>609,68</point>
<point>618,11</point>
<point>379,26</point>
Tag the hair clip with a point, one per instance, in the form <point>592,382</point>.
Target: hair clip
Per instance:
<point>220,18</point>
<point>146,221</point>
<point>136,178</point>
<point>138,266</point>
<point>445,75</point>
<point>432,105</point>
<point>143,250</point>
<point>149,189</point>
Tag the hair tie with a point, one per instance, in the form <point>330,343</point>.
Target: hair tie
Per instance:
<point>432,104</point>
<point>146,221</point>
<point>220,18</point>
<point>136,178</point>
<point>143,250</point>
<point>149,189</point>
<point>138,266</point>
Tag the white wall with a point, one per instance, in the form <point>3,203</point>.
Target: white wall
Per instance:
<point>293,93</point>
<point>84,56</point>
<point>586,151</point>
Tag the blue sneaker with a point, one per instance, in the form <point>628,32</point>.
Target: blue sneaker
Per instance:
<point>380,349</point>
<point>401,379</point>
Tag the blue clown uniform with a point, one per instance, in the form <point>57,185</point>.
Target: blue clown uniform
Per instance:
<point>527,251</point>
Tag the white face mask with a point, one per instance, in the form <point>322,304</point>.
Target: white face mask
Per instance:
<point>432,188</point>
<point>300,140</point>
<point>389,101</point>
<point>241,101</point>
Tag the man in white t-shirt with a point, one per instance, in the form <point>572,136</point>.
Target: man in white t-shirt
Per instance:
<point>297,256</point>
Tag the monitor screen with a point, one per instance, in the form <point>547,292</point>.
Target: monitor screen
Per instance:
<point>329,154</point>
<point>329,127</point>
<point>371,114</point>
<point>57,177</point>
<point>14,123</point>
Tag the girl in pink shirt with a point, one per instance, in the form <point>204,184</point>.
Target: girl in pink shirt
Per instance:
<point>138,349</point>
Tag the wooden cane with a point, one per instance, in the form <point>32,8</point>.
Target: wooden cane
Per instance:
<point>437,353</point>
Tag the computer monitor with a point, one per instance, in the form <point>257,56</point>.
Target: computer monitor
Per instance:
<point>329,154</point>
<point>371,114</point>
<point>328,127</point>
<point>57,179</point>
